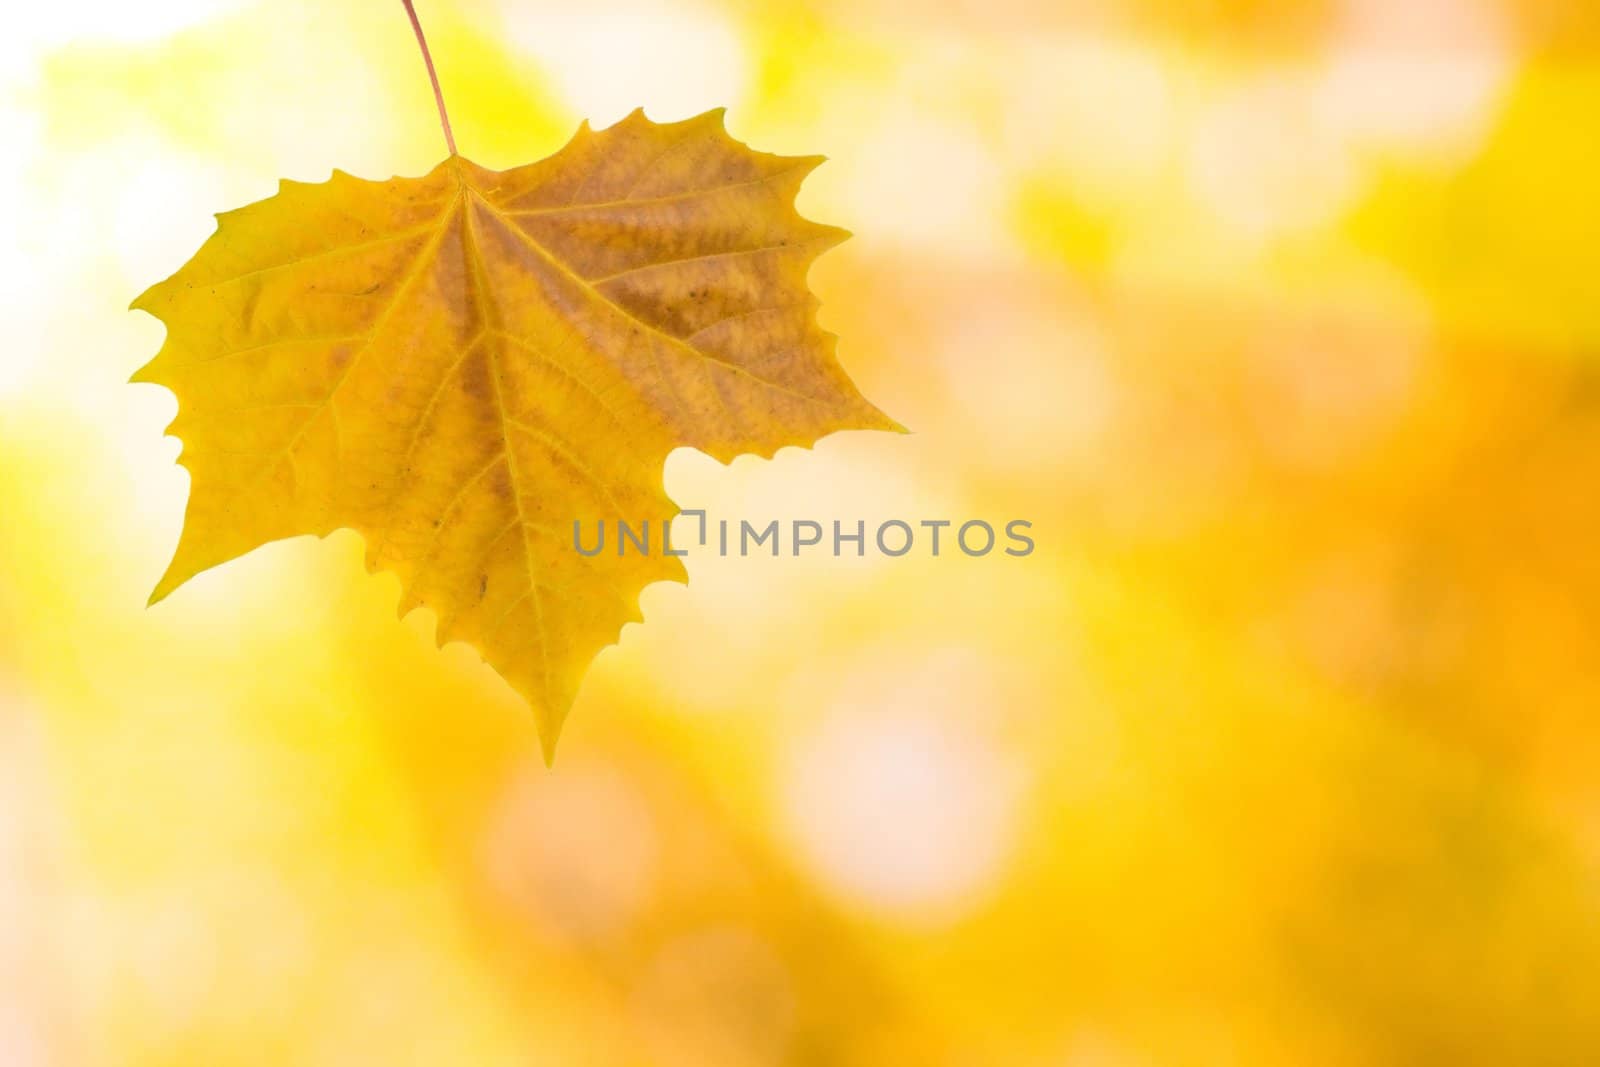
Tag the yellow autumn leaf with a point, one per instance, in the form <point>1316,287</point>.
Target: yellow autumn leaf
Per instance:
<point>460,366</point>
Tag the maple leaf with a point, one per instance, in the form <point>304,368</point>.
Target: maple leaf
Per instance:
<point>461,365</point>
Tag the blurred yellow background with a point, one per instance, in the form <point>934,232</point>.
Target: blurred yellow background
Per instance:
<point>1277,320</point>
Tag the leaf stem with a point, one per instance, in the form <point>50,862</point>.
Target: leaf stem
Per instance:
<point>427,58</point>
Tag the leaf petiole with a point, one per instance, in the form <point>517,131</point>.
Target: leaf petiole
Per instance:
<point>438,96</point>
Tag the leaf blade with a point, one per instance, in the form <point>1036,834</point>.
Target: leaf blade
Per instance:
<point>444,362</point>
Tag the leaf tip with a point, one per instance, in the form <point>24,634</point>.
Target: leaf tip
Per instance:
<point>832,236</point>
<point>180,570</point>
<point>144,300</point>
<point>549,735</point>
<point>804,165</point>
<point>875,418</point>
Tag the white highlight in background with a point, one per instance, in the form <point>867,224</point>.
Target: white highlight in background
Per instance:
<point>899,804</point>
<point>674,60</point>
